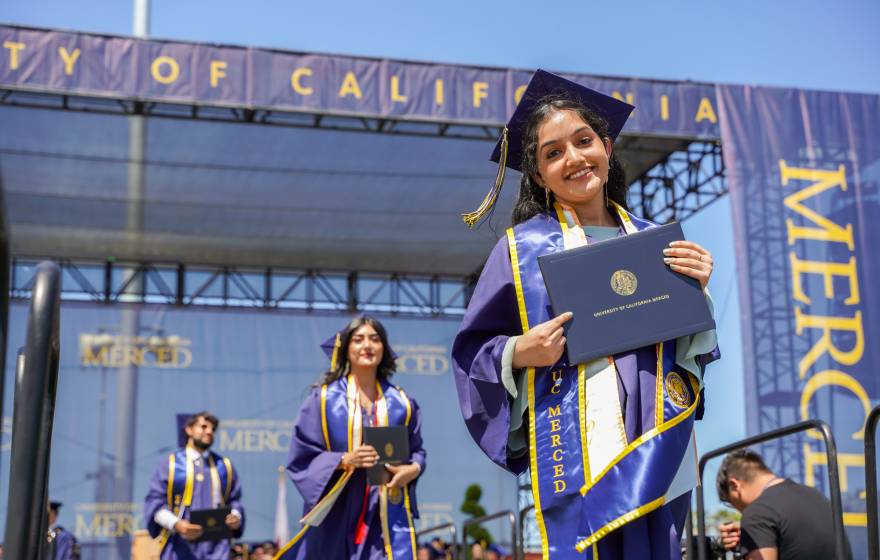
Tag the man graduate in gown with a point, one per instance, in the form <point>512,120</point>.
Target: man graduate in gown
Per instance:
<point>62,543</point>
<point>193,478</point>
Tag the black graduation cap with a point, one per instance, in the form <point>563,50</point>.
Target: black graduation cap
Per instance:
<point>508,150</point>
<point>55,506</point>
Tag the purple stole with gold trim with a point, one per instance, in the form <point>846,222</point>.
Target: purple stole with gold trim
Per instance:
<point>587,479</point>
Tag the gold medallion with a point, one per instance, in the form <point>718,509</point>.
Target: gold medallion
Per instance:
<point>200,477</point>
<point>395,495</point>
<point>389,449</point>
<point>677,390</point>
<point>624,283</point>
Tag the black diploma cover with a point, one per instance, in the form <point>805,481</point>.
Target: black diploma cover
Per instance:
<point>392,445</point>
<point>213,522</point>
<point>623,295</point>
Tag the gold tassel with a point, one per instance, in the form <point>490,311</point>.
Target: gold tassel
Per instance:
<point>472,218</point>
<point>334,358</point>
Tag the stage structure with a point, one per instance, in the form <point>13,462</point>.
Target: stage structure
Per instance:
<point>317,186</point>
<point>307,106</point>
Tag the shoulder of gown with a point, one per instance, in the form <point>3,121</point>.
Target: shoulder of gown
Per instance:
<point>491,318</point>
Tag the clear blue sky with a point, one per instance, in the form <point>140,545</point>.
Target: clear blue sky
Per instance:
<point>804,43</point>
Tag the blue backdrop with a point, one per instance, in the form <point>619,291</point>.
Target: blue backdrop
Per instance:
<point>252,369</point>
<point>804,175</point>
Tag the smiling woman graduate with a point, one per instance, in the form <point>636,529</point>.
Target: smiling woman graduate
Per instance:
<point>346,517</point>
<point>609,443</point>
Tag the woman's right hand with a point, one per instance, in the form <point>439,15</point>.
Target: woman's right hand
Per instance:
<point>543,345</point>
<point>360,458</point>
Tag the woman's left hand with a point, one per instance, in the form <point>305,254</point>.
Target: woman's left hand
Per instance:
<point>402,474</point>
<point>688,258</point>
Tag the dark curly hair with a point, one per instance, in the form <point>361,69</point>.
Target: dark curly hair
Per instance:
<point>210,418</point>
<point>532,199</point>
<point>387,366</point>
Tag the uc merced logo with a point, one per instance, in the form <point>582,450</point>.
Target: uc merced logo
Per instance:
<point>624,283</point>
<point>115,351</point>
<point>422,359</point>
<point>677,390</point>
<point>395,495</point>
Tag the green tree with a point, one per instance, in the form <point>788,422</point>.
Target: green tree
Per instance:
<point>471,506</point>
<point>715,518</point>
<point>719,516</point>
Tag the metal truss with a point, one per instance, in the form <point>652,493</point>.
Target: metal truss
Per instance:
<point>774,345</point>
<point>681,184</point>
<point>266,288</point>
<point>10,97</point>
<point>776,348</point>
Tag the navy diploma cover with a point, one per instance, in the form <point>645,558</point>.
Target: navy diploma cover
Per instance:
<point>623,295</point>
<point>213,522</point>
<point>392,445</point>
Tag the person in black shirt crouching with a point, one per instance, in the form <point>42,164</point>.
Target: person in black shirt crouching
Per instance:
<point>781,519</point>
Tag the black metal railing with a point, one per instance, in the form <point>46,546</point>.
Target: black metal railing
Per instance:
<point>4,296</point>
<point>511,517</point>
<point>689,540</point>
<point>840,547</point>
<point>450,527</point>
<point>871,482</point>
<point>520,553</point>
<point>36,381</point>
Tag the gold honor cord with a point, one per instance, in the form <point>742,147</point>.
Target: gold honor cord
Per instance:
<point>229,475</point>
<point>170,491</point>
<point>324,415</point>
<point>317,514</point>
<point>165,534</point>
<point>334,357</point>
<point>283,550</point>
<point>185,500</point>
<point>473,218</point>
<point>383,518</point>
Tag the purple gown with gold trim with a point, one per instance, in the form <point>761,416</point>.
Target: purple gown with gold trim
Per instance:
<point>178,548</point>
<point>313,470</point>
<point>491,318</point>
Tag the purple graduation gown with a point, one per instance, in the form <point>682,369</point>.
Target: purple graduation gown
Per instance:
<point>177,547</point>
<point>63,545</point>
<point>313,470</point>
<point>491,318</point>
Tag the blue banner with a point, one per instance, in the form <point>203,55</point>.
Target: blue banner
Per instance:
<point>804,169</point>
<point>252,369</point>
<point>206,74</point>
